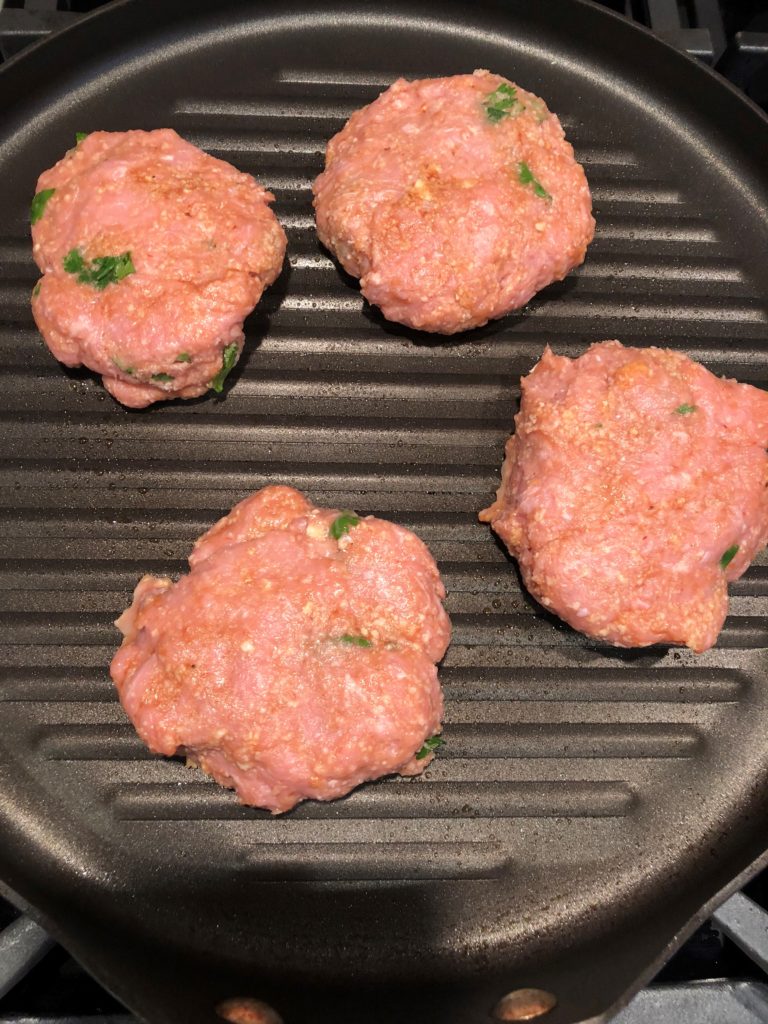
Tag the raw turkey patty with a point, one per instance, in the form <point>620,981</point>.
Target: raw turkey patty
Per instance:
<point>152,254</point>
<point>296,659</point>
<point>454,200</point>
<point>633,490</point>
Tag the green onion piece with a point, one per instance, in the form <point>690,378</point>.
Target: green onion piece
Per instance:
<point>343,524</point>
<point>728,556</point>
<point>355,641</point>
<point>183,357</point>
<point>525,177</point>
<point>37,207</point>
<point>103,270</point>
<point>79,136</point>
<point>501,103</point>
<point>429,747</point>
<point>229,358</point>
<point>36,290</point>
<point>685,409</point>
<point>162,378</point>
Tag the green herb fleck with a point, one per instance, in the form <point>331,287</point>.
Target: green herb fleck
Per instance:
<point>74,262</point>
<point>36,290</point>
<point>123,367</point>
<point>183,357</point>
<point>685,409</point>
<point>37,207</point>
<point>501,103</point>
<point>597,426</point>
<point>343,524</point>
<point>79,136</point>
<point>728,556</point>
<point>111,269</point>
<point>430,746</point>
<point>162,378</point>
<point>525,177</point>
<point>355,641</point>
<point>229,358</point>
<point>103,270</point>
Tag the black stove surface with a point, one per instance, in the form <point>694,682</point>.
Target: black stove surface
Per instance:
<point>719,974</point>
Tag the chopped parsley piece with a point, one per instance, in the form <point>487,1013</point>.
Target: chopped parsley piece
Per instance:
<point>355,641</point>
<point>79,136</point>
<point>183,357</point>
<point>685,409</point>
<point>430,746</point>
<point>229,358</point>
<point>123,367</point>
<point>37,207</point>
<point>74,262</point>
<point>36,290</point>
<point>728,556</point>
<point>343,524</point>
<point>525,177</point>
<point>162,378</point>
<point>501,103</point>
<point>103,270</point>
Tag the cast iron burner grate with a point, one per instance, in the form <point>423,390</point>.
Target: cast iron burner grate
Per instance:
<point>719,975</point>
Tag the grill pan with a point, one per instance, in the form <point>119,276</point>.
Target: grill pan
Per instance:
<point>590,805</point>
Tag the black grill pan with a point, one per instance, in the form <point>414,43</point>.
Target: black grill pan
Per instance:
<point>589,804</point>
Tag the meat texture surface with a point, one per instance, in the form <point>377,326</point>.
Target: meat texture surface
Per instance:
<point>152,254</point>
<point>296,659</point>
<point>454,200</point>
<point>633,490</point>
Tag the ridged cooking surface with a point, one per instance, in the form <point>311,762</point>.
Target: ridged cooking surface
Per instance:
<point>562,756</point>
<point>360,415</point>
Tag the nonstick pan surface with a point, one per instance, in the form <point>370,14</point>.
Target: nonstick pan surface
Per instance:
<point>588,802</point>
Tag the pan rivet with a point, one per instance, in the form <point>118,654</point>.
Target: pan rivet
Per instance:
<point>248,1011</point>
<point>524,1004</point>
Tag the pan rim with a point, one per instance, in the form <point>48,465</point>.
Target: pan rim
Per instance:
<point>85,21</point>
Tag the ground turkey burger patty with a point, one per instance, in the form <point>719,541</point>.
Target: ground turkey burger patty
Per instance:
<point>633,490</point>
<point>454,200</point>
<point>152,254</point>
<point>296,659</point>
